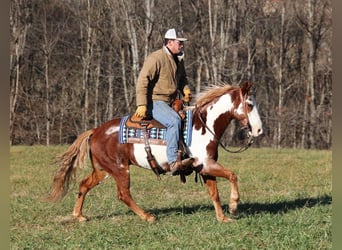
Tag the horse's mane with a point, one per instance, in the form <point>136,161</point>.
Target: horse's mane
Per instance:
<point>212,92</point>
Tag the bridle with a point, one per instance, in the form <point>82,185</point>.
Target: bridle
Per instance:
<point>249,136</point>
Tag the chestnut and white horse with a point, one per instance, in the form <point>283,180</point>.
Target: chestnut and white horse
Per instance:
<point>214,110</point>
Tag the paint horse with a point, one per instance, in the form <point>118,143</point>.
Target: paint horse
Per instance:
<point>214,110</point>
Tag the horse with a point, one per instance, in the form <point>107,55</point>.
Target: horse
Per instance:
<point>214,110</point>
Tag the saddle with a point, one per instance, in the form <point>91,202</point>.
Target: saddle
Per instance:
<point>145,125</point>
<point>140,123</point>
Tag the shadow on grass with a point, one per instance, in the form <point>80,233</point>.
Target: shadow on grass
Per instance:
<point>282,206</point>
<point>245,209</point>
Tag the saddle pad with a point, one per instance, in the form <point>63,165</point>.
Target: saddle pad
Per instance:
<point>155,135</point>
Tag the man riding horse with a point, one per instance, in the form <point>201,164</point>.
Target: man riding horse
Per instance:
<point>161,77</point>
<point>160,81</point>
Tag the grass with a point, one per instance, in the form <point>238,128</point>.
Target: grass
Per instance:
<point>286,203</point>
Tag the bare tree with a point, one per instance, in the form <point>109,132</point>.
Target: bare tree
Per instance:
<point>20,22</point>
<point>113,8</point>
<point>213,19</point>
<point>149,22</point>
<point>130,20</point>
<point>312,23</point>
<point>280,74</point>
<point>49,42</point>
<point>87,54</point>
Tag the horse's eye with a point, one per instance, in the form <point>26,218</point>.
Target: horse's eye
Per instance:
<point>249,103</point>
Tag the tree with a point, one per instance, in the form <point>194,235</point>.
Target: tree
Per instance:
<point>51,33</point>
<point>312,22</point>
<point>20,22</point>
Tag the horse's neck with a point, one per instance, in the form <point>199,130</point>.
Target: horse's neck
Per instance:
<point>218,116</point>
<point>219,125</point>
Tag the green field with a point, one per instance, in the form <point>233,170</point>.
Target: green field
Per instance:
<point>286,203</point>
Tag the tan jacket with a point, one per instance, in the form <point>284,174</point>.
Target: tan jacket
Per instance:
<point>160,78</point>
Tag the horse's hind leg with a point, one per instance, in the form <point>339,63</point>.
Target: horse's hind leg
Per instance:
<point>86,184</point>
<point>209,174</point>
<point>122,178</point>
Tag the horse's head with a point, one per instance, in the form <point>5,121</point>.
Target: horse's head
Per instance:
<point>246,112</point>
<point>219,105</point>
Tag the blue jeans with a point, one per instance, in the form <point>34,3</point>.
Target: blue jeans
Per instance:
<point>162,112</point>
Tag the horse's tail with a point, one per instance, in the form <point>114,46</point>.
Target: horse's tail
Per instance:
<point>68,161</point>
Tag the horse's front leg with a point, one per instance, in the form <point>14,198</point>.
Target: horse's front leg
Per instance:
<point>212,170</point>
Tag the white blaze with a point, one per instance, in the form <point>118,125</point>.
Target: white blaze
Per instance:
<point>254,119</point>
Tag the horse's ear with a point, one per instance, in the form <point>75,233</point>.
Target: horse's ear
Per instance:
<point>246,87</point>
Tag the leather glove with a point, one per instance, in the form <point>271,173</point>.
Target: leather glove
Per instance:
<point>141,111</point>
<point>187,94</point>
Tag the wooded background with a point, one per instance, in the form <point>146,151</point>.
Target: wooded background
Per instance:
<point>74,63</point>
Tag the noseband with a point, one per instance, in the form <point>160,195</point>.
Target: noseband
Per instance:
<point>249,136</point>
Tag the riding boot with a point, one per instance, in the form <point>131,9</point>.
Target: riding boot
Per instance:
<point>177,165</point>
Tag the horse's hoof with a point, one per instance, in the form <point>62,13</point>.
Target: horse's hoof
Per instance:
<point>226,219</point>
<point>81,218</point>
<point>233,211</point>
<point>233,208</point>
<point>229,220</point>
<point>150,218</point>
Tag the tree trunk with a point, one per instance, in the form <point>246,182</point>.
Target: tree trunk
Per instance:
<point>212,35</point>
<point>132,35</point>
<point>180,13</point>
<point>234,41</point>
<point>47,99</point>
<point>97,84</point>
<point>311,75</point>
<point>224,28</point>
<point>86,61</point>
<point>124,77</point>
<point>280,78</point>
<point>114,7</point>
<point>19,14</point>
<point>62,103</point>
<point>47,49</point>
<point>149,4</point>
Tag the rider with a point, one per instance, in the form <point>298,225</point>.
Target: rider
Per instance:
<point>160,80</point>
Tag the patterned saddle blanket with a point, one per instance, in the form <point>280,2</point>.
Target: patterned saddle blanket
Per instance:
<point>156,136</point>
